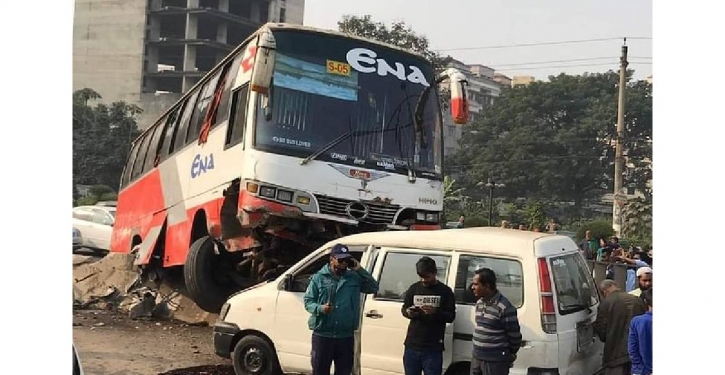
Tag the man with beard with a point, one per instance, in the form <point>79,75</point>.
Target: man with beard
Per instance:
<point>644,281</point>
<point>333,301</point>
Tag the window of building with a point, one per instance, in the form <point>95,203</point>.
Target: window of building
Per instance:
<point>399,274</point>
<point>509,278</point>
<point>238,120</point>
<point>282,15</point>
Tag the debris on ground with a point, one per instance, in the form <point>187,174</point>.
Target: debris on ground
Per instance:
<point>114,283</point>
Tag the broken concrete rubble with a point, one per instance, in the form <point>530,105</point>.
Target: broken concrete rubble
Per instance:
<point>114,283</point>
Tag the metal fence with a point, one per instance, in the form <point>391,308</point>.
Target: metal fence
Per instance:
<point>599,271</point>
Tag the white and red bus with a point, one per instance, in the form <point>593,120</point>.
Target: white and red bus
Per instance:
<point>297,137</point>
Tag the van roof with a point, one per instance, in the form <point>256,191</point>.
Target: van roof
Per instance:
<point>488,240</point>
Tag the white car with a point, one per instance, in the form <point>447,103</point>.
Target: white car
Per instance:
<point>95,224</point>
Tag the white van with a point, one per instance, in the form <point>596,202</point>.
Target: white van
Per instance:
<point>264,328</point>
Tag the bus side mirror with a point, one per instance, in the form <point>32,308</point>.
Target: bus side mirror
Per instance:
<point>261,79</point>
<point>459,100</point>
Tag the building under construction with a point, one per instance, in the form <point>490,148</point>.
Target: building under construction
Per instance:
<point>148,52</point>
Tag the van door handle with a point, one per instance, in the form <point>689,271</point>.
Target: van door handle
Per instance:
<point>373,314</point>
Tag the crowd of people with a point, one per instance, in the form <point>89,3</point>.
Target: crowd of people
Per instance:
<point>624,318</point>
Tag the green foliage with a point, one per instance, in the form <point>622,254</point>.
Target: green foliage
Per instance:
<point>97,193</point>
<point>398,34</point>
<point>102,135</point>
<point>637,222</point>
<point>601,228</point>
<point>552,141</point>
<point>534,214</point>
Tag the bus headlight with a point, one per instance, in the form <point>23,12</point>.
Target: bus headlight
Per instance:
<point>284,195</point>
<point>420,216</point>
<point>268,192</point>
<point>431,217</point>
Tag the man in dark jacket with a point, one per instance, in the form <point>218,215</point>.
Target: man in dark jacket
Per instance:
<point>429,304</point>
<point>612,326</point>
<point>333,301</point>
<point>497,333</point>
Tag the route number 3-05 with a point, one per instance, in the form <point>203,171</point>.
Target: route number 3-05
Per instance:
<point>339,68</point>
<point>201,165</point>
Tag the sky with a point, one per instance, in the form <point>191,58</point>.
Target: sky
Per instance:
<point>454,26</point>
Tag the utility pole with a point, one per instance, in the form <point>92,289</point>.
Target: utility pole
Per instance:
<point>619,152</point>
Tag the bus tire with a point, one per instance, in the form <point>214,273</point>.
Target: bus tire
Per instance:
<point>253,355</point>
<point>199,271</point>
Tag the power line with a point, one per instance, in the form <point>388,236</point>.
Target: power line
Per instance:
<point>555,61</point>
<point>542,43</point>
<point>570,66</point>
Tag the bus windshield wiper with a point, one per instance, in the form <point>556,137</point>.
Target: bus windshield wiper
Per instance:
<point>328,146</point>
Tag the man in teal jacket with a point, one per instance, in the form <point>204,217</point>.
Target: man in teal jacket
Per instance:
<point>333,301</point>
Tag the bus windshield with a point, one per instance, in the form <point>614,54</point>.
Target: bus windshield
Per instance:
<point>326,87</point>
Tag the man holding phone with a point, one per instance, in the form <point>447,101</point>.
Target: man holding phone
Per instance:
<point>430,305</point>
<point>333,301</point>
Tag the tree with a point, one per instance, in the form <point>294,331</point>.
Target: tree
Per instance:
<point>637,222</point>
<point>601,228</point>
<point>102,135</point>
<point>534,214</point>
<point>553,141</point>
<point>398,34</point>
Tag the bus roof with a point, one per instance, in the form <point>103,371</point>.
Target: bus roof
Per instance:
<point>272,26</point>
<point>497,241</point>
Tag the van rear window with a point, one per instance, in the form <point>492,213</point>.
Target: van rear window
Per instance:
<point>575,289</point>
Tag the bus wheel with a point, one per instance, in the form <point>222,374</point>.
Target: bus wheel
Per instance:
<point>253,355</point>
<point>199,276</point>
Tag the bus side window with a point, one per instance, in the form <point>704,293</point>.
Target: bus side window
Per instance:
<point>138,165</point>
<point>205,97</point>
<point>183,127</point>
<point>167,148</point>
<point>238,117</point>
<point>154,145</point>
<point>224,103</point>
<point>126,177</point>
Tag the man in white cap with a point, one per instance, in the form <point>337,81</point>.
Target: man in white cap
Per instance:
<point>644,281</point>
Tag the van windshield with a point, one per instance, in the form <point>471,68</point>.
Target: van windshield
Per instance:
<point>575,289</point>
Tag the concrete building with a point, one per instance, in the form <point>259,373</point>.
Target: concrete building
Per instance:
<point>149,52</point>
<point>481,91</point>
<point>522,80</point>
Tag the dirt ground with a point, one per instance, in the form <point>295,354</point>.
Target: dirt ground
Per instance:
<point>112,344</point>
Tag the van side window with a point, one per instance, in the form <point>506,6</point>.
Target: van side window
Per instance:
<point>303,276</point>
<point>509,278</point>
<point>399,274</point>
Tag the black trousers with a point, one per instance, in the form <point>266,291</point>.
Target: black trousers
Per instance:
<point>326,350</point>
<point>479,367</point>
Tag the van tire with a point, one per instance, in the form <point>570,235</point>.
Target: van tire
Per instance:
<point>253,355</point>
<point>199,270</point>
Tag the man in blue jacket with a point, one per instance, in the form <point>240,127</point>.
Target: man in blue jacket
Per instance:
<point>640,339</point>
<point>333,301</point>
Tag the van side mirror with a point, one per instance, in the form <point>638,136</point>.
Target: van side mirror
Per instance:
<point>289,282</point>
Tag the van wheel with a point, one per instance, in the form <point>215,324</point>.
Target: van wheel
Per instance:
<point>253,355</point>
<point>199,276</point>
